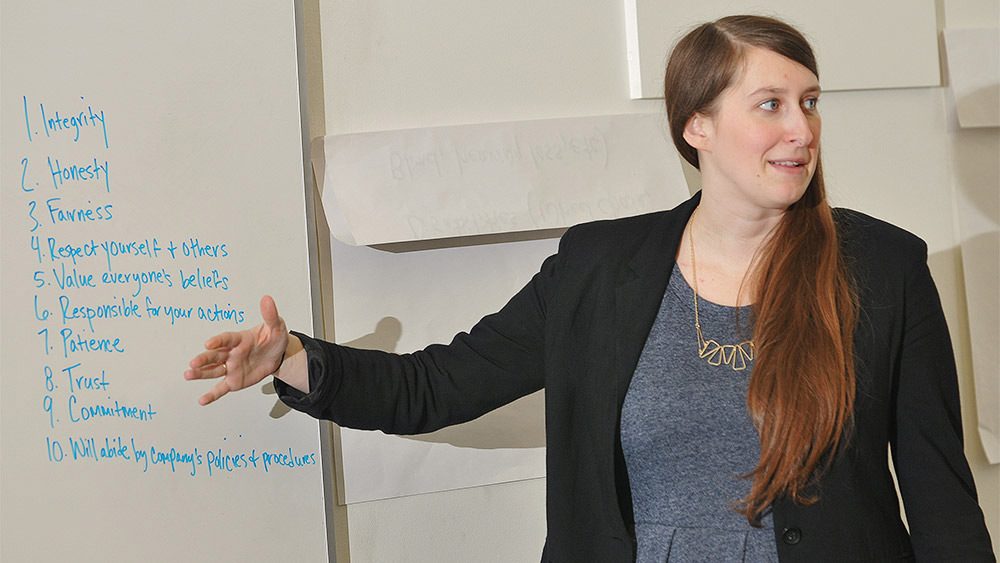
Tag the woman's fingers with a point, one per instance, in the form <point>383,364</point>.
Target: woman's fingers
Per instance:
<point>206,372</point>
<point>209,357</point>
<point>224,340</point>
<point>215,393</point>
<point>269,312</point>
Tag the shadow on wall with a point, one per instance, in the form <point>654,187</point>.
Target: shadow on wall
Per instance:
<point>946,269</point>
<point>520,424</point>
<point>976,171</point>
<point>976,166</point>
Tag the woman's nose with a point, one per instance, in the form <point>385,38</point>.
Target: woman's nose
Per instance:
<point>800,127</point>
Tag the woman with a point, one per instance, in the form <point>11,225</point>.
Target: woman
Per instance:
<point>750,332</point>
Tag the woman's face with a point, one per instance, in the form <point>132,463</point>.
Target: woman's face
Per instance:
<point>761,145</point>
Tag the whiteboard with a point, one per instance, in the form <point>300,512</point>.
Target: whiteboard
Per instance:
<point>153,190</point>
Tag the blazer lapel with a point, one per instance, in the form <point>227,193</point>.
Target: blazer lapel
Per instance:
<point>640,288</point>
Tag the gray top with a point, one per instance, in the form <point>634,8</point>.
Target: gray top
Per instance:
<point>687,437</point>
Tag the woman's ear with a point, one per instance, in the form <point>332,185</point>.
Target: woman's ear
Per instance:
<point>696,131</point>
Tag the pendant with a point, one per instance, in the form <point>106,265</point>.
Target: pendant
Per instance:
<point>734,355</point>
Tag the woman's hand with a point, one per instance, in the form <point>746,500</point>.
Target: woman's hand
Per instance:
<point>242,359</point>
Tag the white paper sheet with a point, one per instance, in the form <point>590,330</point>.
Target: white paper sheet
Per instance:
<point>974,74</point>
<point>859,44</point>
<point>444,182</point>
<point>400,302</point>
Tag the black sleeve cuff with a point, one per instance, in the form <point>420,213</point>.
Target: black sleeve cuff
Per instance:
<point>322,382</point>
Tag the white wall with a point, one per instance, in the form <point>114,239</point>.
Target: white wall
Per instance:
<point>890,153</point>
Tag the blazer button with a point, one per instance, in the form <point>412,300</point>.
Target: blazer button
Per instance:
<point>791,536</point>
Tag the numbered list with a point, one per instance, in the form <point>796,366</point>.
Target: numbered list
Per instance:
<point>97,299</point>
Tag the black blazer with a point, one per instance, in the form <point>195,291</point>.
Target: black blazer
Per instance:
<point>578,328</point>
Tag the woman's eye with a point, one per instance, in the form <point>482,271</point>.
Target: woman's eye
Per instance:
<point>769,105</point>
<point>811,103</point>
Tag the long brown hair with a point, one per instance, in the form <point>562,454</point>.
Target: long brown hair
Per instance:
<point>801,391</point>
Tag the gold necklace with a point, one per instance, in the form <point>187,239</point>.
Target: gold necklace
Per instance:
<point>735,355</point>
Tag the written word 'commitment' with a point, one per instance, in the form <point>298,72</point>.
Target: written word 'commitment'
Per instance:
<point>79,412</point>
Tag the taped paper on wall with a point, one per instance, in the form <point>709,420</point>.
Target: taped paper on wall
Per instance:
<point>443,182</point>
<point>974,74</point>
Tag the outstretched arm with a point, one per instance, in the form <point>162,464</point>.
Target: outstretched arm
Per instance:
<point>242,359</point>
